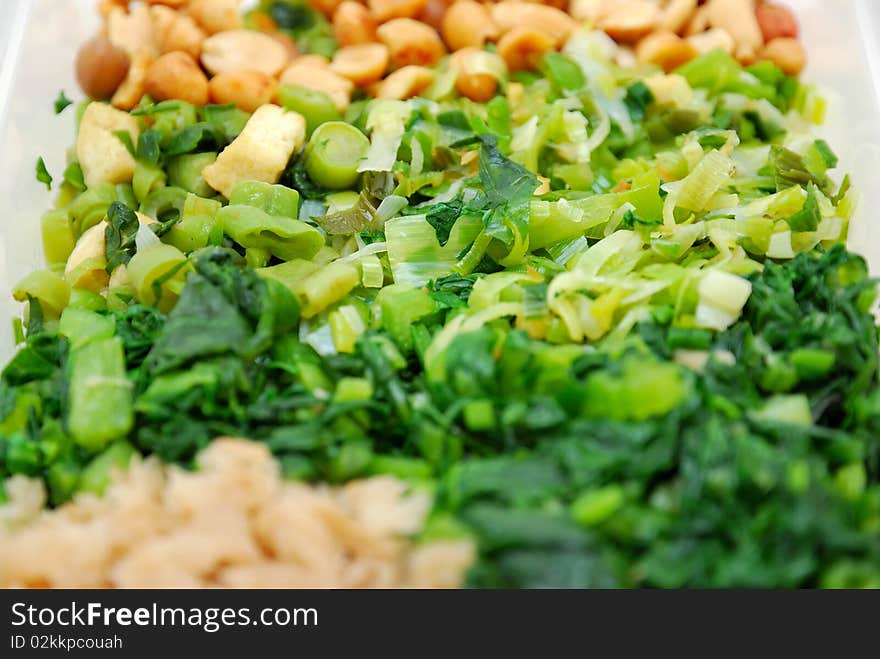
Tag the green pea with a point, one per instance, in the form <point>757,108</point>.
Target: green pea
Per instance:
<point>333,154</point>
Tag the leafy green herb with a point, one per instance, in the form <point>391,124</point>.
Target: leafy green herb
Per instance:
<point>43,175</point>
<point>292,16</point>
<point>125,137</point>
<point>638,98</point>
<point>563,71</point>
<point>61,102</point>
<point>442,217</point>
<point>73,176</point>
<point>808,218</point>
<point>789,168</point>
<point>120,234</point>
<point>148,146</point>
<point>198,137</point>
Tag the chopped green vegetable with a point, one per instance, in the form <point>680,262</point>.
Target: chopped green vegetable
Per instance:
<point>43,175</point>
<point>61,102</point>
<point>617,336</point>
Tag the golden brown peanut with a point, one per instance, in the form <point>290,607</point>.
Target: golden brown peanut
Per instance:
<point>353,24</point>
<point>522,47</point>
<point>776,21</point>
<point>676,14</point>
<point>787,54</point>
<point>243,50</point>
<point>433,13</point>
<point>215,15</point>
<point>362,64</point>
<point>320,77</point>
<point>105,7</point>
<point>100,67</point>
<point>177,31</point>
<point>326,7</point>
<point>738,18</point>
<point>630,20</point>
<point>177,75</point>
<point>311,60</point>
<point>287,43</point>
<point>174,4</point>
<point>712,39</point>
<point>551,21</point>
<point>162,18</point>
<point>468,24</point>
<point>698,23</point>
<point>263,22</point>
<point>405,83</point>
<point>132,32</point>
<point>131,90</point>
<point>478,73</point>
<point>246,89</point>
<point>665,49</point>
<point>385,10</point>
<point>411,42</point>
<point>586,10</point>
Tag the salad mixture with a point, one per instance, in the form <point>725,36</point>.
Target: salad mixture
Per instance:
<point>499,294</point>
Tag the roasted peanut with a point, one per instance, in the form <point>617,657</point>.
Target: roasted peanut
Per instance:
<point>787,54</point>
<point>738,18</point>
<point>246,89</point>
<point>132,32</point>
<point>586,10</point>
<point>162,18</point>
<point>362,64</point>
<point>411,42</point>
<point>468,24</point>
<point>405,83</point>
<point>665,49</point>
<point>243,50</point>
<point>712,39</point>
<point>215,15</point>
<point>312,59</point>
<point>105,7</point>
<point>522,47</point>
<point>174,4</point>
<point>353,24</point>
<point>776,21</point>
<point>478,73</point>
<point>129,93</point>
<point>551,21</point>
<point>630,20</point>
<point>177,31</point>
<point>177,75</point>
<point>433,12</point>
<point>319,76</point>
<point>385,10</point>
<point>286,42</point>
<point>698,23</point>
<point>326,7</point>
<point>100,67</point>
<point>676,14</point>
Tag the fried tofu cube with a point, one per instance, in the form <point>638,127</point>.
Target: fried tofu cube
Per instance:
<point>101,154</point>
<point>261,152</point>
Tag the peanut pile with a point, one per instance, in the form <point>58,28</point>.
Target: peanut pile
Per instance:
<point>199,50</point>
